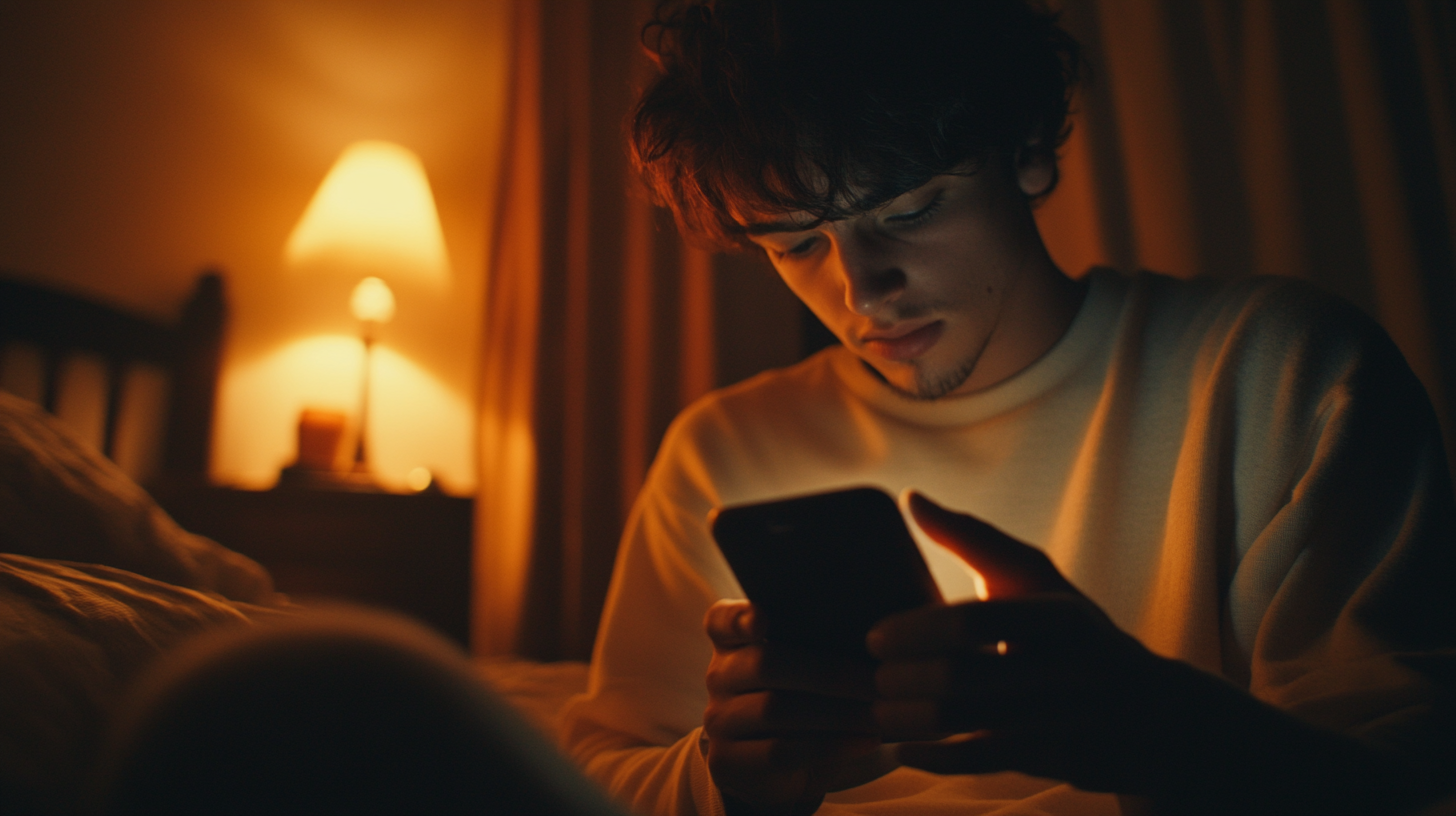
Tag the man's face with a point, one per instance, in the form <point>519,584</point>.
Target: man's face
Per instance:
<point>926,289</point>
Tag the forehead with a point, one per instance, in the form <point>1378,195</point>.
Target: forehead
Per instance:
<point>756,216</point>
<point>754,226</point>
<point>756,223</point>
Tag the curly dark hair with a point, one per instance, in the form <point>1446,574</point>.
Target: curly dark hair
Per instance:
<point>834,107</point>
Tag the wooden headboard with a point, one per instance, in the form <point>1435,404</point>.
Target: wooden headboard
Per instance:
<point>61,325</point>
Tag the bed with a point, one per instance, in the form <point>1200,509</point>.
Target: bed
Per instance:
<point>139,389</point>
<point>98,585</point>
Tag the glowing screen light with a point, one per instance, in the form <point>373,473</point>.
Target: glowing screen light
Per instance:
<point>373,214</point>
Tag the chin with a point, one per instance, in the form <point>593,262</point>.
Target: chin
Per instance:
<point>926,385</point>
<point>921,380</point>
<point>930,385</point>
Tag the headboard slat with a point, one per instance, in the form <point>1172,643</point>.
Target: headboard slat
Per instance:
<point>63,325</point>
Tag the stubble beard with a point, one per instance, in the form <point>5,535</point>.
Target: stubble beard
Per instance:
<point>932,388</point>
<point>928,387</point>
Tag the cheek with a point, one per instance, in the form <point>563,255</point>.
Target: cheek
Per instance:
<point>989,263</point>
<point>818,293</point>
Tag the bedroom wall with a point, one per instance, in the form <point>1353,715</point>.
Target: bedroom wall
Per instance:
<point>143,141</point>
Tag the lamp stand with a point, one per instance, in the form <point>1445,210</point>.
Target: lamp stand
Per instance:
<point>361,457</point>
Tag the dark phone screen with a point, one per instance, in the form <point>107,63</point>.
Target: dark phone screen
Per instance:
<point>823,569</point>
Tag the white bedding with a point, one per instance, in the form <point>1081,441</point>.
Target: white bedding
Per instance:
<point>537,690</point>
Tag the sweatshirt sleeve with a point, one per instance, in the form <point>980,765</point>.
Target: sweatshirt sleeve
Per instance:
<point>1340,598</point>
<point>636,729</point>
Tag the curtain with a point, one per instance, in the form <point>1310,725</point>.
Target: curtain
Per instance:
<point>599,326</point>
<point>1309,138</point>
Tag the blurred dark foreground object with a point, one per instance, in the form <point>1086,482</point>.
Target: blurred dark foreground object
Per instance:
<point>347,711</point>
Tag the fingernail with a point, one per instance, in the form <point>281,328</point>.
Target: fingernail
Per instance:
<point>922,507</point>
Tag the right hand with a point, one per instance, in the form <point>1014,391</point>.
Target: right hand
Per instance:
<point>781,723</point>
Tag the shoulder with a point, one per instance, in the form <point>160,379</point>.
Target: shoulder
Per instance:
<point>772,401</point>
<point>1277,355</point>
<point>1261,320</point>
<point>750,427</point>
<point>1268,301</point>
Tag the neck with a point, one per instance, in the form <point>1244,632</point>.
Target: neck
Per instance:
<point>1039,309</point>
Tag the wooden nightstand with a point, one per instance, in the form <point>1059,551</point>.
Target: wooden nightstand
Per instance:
<point>410,553</point>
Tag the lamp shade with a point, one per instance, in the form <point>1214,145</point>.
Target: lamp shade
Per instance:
<point>373,215</point>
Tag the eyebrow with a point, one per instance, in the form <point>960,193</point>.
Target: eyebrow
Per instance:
<point>782,225</point>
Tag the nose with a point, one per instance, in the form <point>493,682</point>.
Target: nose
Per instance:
<point>871,279</point>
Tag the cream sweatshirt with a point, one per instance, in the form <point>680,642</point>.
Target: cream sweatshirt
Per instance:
<point>1246,477</point>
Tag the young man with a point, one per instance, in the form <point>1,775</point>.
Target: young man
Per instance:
<point>1235,511</point>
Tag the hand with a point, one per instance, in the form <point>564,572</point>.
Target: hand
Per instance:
<point>1072,697</point>
<point>1036,679</point>
<point>781,723</point>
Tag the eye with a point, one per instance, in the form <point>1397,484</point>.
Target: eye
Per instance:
<point>919,216</point>
<point>800,249</point>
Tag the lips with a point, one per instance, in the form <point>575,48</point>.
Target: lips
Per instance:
<point>908,344</point>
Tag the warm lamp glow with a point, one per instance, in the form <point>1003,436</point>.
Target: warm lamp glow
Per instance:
<point>372,301</point>
<point>419,479</point>
<point>372,215</point>
<point>417,419</point>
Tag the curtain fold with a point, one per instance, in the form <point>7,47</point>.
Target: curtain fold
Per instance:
<point>599,329</point>
<point>1308,138</point>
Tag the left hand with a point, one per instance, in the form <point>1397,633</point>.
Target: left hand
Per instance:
<point>1072,697</point>
<point>1075,698</point>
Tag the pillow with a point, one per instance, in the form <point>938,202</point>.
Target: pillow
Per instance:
<point>61,499</point>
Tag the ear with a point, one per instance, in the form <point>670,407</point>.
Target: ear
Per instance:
<point>1036,171</point>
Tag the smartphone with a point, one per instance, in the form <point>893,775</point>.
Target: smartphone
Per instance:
<point>823,569</point>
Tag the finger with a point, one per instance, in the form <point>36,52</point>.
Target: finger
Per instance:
<point>1008,566</point>
<point>775,666</point>
<point>780,713</point>
<point>927,632</point>
<point>911,679</point>
<point>917,719</point>
<point>732,623</point>
<point>995,694</point>
<point>1026,623</point>
<point>791,753</point>
<point>824,673</point>
<point>982,752</point>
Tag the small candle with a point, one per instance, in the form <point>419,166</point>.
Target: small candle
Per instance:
<point>319,433</point>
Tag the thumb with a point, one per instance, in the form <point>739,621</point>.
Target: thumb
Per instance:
<point>1009,567</point>
<point>732,623</point>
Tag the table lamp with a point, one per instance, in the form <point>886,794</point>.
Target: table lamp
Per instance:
<point>372,220</point>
